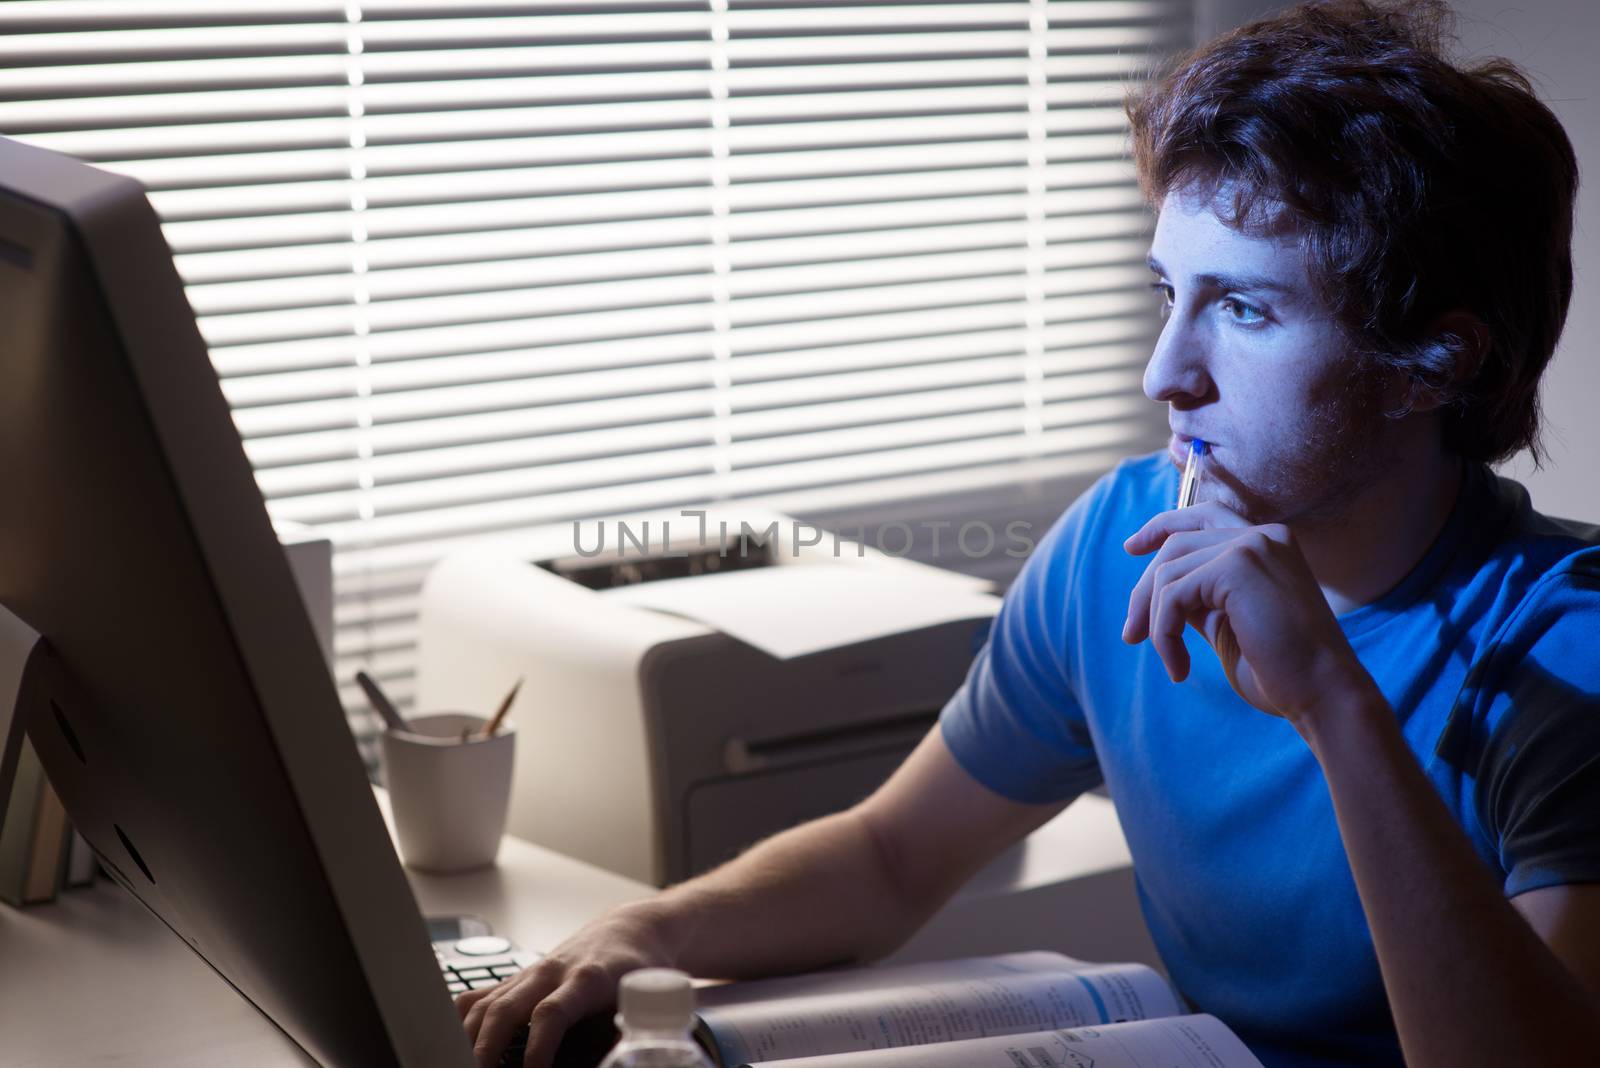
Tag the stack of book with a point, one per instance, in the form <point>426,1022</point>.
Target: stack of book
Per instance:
<point>39,851</point>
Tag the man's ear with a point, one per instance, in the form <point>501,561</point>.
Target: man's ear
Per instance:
<point>1462,333</point>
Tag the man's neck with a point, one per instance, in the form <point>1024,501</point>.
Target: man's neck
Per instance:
<point>1384,531</point>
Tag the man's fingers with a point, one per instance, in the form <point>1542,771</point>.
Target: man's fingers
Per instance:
<point>499,1022</point>
<point>549,1023</point>
<point>1136,628</point>
<point>472,1017</point>
<point>587,989</point>
<point>464,1002</point>
<point>1179,597</point>
<point>481,1001</point>
<point>1209,515</point>
<point>491,1021</point>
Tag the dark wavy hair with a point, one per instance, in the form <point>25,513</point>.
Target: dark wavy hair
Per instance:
<point>1417,187</point>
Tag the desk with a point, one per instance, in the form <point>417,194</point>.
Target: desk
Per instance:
<point>94,979</point>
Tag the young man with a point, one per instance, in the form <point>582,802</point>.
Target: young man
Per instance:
<point>1363,799</point>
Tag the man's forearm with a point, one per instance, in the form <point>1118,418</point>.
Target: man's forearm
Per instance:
<point>816,895</point>
<point>1464,972</point>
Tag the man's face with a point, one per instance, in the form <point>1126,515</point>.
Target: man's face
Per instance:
<point>1250,362</point>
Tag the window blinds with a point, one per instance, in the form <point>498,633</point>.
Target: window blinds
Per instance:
<point>466,268</point>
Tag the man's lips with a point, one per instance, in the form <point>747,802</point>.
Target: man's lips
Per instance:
<point>1178,447</point>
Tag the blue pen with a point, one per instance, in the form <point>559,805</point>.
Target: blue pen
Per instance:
<point>1190,486</point>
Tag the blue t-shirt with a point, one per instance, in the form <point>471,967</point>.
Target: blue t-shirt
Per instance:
<point>1489,654</point>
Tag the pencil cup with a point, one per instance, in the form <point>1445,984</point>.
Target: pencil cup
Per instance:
<point>449,788</point>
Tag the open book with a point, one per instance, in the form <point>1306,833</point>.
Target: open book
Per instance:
<point>1015,1010</point>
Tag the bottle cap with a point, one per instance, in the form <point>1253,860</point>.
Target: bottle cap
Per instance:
<point>656,999</point>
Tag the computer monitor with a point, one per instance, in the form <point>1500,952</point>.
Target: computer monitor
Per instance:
<point>182,707</point>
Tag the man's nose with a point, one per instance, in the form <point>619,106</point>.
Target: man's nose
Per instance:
<point>1176,373</point>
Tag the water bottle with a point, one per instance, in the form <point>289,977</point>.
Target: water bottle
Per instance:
<point>656,1012</point>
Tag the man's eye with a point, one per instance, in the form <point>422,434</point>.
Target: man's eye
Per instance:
<point>1166,296</point>
<point>1242,313</point>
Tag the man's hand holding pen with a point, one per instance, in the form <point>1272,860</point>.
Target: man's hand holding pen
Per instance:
<point>1250,592</point>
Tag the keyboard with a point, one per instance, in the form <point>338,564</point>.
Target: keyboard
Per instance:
<point>480,961</point>
<point>474,963</point>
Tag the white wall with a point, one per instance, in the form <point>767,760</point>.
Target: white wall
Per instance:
<point>1212,17</point>
<point>1555,42</point>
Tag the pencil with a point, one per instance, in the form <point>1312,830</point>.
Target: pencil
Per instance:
<point>500,713</point>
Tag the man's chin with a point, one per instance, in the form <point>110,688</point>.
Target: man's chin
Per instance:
<point>1221,485</point>
<point>1304,506</point>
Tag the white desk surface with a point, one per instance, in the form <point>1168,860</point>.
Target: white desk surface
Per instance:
<point>93,978</point>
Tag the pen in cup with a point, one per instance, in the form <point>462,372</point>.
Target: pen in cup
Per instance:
<point>380,701</point>
<point>1189,488</point>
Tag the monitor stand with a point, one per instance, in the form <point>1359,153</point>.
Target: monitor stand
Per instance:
<point>23,657</point>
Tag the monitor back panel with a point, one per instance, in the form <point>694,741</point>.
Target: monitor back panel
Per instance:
<point>195,735</point>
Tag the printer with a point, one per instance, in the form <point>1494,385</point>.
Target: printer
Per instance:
<point>690,691</point>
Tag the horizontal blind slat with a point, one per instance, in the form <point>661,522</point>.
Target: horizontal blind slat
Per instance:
<point>598,326</point>
<point>197,139</point>
<point>425,220</point>
<point>509,485</point>
<point>333,31</point>
<point>445,462</point>
<point>403,283</point>
<point>285,165</point>
<point>401,253</point>
<point>566,391</point>
<point>330,67</point>
<point>245,328</point>
<point>278,386</point>
<point>376,193</point>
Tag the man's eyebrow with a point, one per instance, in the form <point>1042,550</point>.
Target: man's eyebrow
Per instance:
<point>1230,282</point>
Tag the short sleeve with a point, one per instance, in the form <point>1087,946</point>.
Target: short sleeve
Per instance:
<point>1538,792</point>
<point>1015,724</point>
